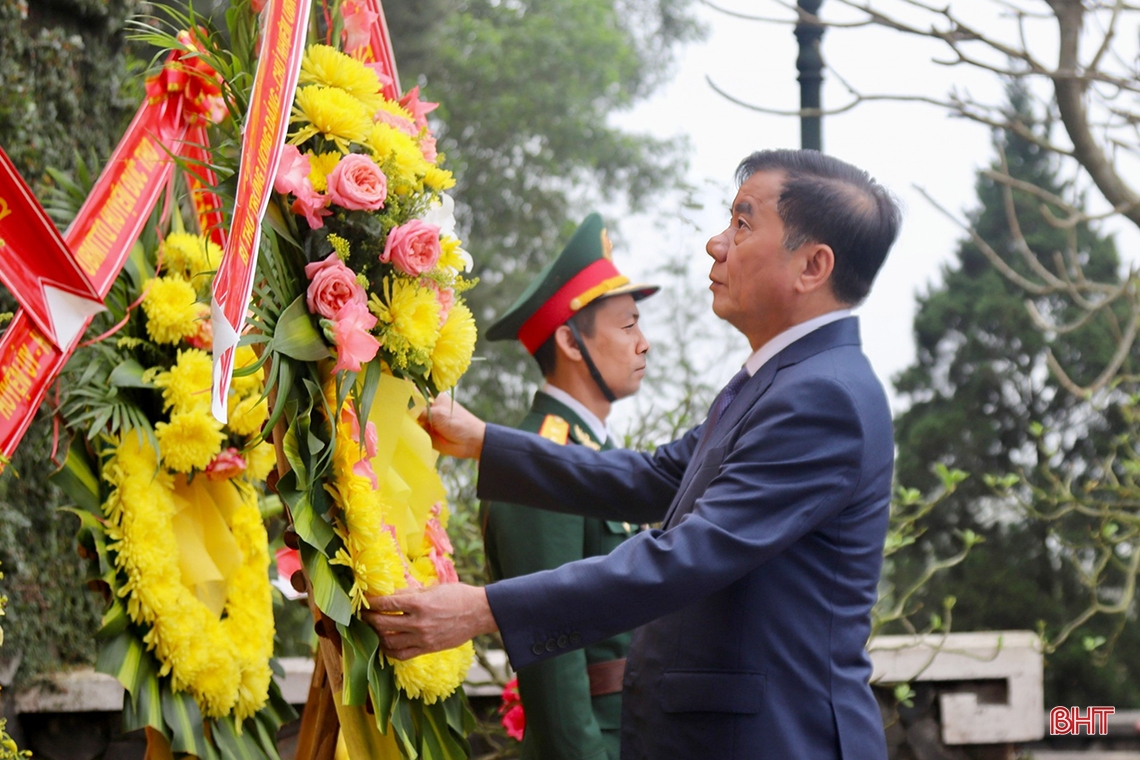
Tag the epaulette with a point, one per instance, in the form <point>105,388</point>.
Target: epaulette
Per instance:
<point>556,429</point>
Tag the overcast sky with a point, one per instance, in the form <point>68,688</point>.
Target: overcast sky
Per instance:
<point>900,144</point>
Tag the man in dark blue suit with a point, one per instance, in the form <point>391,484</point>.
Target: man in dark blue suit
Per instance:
<point>752,602</point>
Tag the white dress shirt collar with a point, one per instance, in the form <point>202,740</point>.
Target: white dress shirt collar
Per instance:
<point>761,355</point>
<point>599,428</point>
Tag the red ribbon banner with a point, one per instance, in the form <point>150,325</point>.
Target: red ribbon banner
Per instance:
<point>284,23</point>
<point>37,266</point>
<point>100,239</point>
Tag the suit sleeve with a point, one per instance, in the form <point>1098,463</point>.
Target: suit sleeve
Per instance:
<point>555,692</point>
<point>795,463</point>
<point>616,484</point>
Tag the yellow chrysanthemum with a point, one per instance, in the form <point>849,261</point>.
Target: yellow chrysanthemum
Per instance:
<point>325,65</point>
<point>438,179</point>
<point>243,385</point>
<point>171,309</point>
<point>189,441</point>
<point>332,113</point>
<point>320,166</point>
<point>248,415</point>
<point>436,676</point>
<point>261,461</point>
<point>186,386</point>
<point>409,320</point>
<point>223,662</point>
<point>452,353</point>
<point>385,141</point>
<point>189,255</point>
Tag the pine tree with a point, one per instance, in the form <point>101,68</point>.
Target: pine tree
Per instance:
<point>979,392</point>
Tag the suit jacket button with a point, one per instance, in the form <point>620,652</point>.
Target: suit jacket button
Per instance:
<point>563,641</point>
<point>551,645</point>
<point>575,638</point>
<point>538,649</point>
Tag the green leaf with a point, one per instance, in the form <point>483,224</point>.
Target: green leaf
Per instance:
<point>297,337</point>
<point>438,736</point>
<point>404,726</point>
<point>235,746</point>
<point>382,687</point>
<point>185,721</point>
<point>115,620</point>
<point>129,374</point>
<point>328,594</point>
<point>78,480</point>
<point>360,646</point>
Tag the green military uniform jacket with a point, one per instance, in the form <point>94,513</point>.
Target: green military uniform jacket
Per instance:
<point>563,722</point>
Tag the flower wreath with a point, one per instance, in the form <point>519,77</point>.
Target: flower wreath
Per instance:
<point>223,662</point>
<point>372,550</point>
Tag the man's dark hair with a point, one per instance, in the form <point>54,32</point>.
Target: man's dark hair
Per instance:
<point>825,200</point>
<point>586,322</point>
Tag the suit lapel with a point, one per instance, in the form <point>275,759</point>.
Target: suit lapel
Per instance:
<point>838,333</point>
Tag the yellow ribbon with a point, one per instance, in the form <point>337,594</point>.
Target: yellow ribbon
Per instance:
<point>208,554</point>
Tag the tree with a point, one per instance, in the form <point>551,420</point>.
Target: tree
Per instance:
<point>980,391</point>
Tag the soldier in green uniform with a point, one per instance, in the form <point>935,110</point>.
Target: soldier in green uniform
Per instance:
<point>579,319</point>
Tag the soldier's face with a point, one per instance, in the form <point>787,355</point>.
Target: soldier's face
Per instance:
<point>617,346</point>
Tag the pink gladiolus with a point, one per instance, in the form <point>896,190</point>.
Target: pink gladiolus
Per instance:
<point>379,68</point>
<point>398,123</point>
<point>225,465</point>
<point>358,22</point>
<point>419,109</point>
<point>358,184</point>
<point>311,205</point>
<point>437,536</point>
<point>355,346</point>
<point>371,439</point>
<point>363,469</point>
<point>292,172</point>
<point>413,248</point>
<point>444,568</point>
<point>332,286</point>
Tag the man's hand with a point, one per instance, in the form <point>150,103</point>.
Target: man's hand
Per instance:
<point>454,430</point>
<point>432,619</point>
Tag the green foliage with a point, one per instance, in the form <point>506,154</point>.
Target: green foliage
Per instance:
<point>982,400</point>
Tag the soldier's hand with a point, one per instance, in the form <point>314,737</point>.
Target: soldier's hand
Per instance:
<point>411,623</point>
<point>454,430</point>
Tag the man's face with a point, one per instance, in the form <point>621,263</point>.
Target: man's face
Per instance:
<point>752,274</point>
<point>617,346</point>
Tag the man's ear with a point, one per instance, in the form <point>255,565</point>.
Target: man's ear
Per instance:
<point>818,264</point>
<point>566,345</point>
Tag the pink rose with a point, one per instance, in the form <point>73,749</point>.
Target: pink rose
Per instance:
<point>354,344</point>
<point>292,171</point>
<point>358,184</point>
<point>413,248</point>
<point>332,286</point>
<point>358,22</point>
<point>225,465</point>
<point>419,109</point>
<point>311,205</point>
<point>427,147</point>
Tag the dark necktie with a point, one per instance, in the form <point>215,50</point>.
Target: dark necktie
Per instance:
<point>724,398</point>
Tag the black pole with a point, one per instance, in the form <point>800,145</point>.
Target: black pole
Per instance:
<point>810,65</point>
